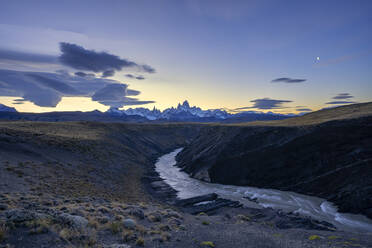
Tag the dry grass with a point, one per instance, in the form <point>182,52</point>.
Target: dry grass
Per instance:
<point>140,242</point>
<point>3,232</point>
<point>321,116</point>
<point>115,227</point>
<point>39,226</point>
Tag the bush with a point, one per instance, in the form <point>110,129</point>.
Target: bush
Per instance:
<point>115,227</point>
<point>140,242</point>
<point>207,244</point>
<point>314,237</point>
<point>3,232</point>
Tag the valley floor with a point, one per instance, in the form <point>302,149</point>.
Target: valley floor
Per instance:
<point>81,185</point>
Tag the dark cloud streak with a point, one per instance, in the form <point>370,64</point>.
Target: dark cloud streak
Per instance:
<point>27,57</point>
<point>343,96</point>
<point>80,58</point>
<point>288,80</point>
<point>108,73</point>
<point>266,103</point>
<point>139,77</point>
<point>340,102</point>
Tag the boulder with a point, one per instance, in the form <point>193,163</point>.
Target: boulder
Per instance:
<point>21,215</point>
<point>129,223</point>
<point>73,221</point>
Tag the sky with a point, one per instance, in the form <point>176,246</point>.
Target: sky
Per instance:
<point>266,55</point>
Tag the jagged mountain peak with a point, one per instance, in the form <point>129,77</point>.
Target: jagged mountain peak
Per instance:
<point>184,112</point>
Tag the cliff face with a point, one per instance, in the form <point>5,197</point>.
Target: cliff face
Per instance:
<point>332,160</point>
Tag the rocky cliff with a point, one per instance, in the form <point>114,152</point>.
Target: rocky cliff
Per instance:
<point>332,160</point>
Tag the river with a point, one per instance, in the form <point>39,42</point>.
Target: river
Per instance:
<point>314,207</point>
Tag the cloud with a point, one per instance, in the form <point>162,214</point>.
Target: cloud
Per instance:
<point>129,76</point>
<point>83,74</point>
<point>148,69</point>
<point>343,96</point>
<point>266,103</point>
<point>133,92</point>
<point>27,57</point>
<point>80,58</point>
<point>115,95</point>
<point>139,77</point>
<point>108,73</point>
<point>47,89</point>
<point>340,102</point>
<point>288,80</point>
<point>304,110</point>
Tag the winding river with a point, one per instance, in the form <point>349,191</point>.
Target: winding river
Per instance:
<point>314,207</point>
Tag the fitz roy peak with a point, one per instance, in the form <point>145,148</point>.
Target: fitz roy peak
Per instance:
<point>184,112</point>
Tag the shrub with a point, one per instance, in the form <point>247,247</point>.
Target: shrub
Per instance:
<point>3,232</point>
<point>333,237</point>
<point>207,244</point>
<point>314,237</point>
<point>115,227</point>
<point>243,217</point>
<point>165,236</point>
<point>129,235</point>
<point>140,242</point>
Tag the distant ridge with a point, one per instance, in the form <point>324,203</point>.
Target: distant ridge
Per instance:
<point>185,113</point>
<point>351,111</point>
<point>4,108</point>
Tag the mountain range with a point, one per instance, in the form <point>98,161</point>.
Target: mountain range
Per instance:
<point>183,113</point>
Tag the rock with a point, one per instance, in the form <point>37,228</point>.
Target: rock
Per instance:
<point>174,221</point>
<point>129,223</point>
<point>197,199</point>
<point>158,185</point>
<point>73,221</point>
<point>174,214</point>
<point>165,228</point>
<point>103,220</point>
<point>103,210</point>
<point>117,246</point>
<point>20,215</point>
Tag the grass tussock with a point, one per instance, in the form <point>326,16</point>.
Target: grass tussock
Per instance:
<point>3,232</point>
<point>314,237</point>
<point>140,242</point>
<point>115,227</point>
<point>207,244</point>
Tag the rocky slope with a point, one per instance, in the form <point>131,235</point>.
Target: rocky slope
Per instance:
<point>80,184</point>
<point>332,160</point>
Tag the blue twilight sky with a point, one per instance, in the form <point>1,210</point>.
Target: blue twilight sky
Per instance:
<point>280,56</point>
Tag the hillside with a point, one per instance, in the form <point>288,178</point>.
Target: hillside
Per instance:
<point>81,184</point>
<point>111,157</point>
<point>339,113</point>
<point>323,154</point>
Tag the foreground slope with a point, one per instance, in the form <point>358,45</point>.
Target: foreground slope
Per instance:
<point>79,184</point>
<point>326,153</point>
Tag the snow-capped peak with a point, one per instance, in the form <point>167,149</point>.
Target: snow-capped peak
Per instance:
<point>184,112</point>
